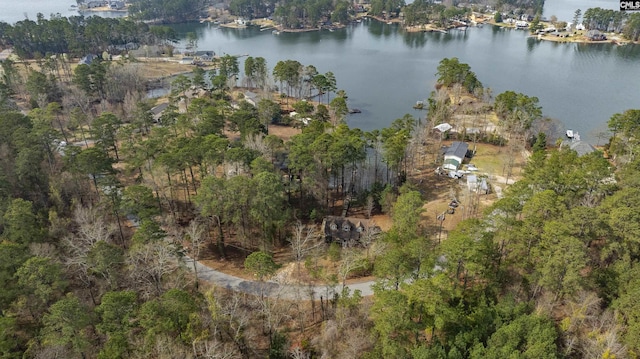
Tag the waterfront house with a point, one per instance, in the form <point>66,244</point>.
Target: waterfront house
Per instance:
<point>95,3</point>
<point>204,55</point>
<point>595,35</point>
<point>582,148</point>
<point>347,231</point>
<point>455,155</point>
<point>116,5</point>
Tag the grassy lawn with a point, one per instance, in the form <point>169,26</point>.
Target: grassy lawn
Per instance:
<point>491,159</point>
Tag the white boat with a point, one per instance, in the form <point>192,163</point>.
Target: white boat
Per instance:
<point>570,134</point>
<point>275,32</point>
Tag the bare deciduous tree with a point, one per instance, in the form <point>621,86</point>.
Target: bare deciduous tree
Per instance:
<point>351,260</point>
<point>91,229</point>
<point>370,205</point>
<point>149,264</point>
<point>195,235</point>
<point>231,319</point>
<point>305,239</point>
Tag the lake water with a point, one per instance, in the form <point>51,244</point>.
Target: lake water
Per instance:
<point>12,11</point>
<point>385,71</point>
<point>564,9</point>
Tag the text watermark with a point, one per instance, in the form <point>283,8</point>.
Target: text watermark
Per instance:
<point>629,5</point>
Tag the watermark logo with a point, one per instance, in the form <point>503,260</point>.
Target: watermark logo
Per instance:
<point>628,5</point>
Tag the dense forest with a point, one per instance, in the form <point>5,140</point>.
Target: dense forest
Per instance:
<point>171,11</point>
<point>613,21</point>
<point>78,36</point>
<point>101,203</point>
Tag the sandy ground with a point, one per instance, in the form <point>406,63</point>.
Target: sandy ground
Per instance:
<point>163,67</point>
<point>284,132</point>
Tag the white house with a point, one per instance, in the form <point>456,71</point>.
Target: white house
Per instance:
<point>454,155</point>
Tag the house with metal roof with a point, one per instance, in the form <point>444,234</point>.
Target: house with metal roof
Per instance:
<point>582,148</point>
<point>454,155</point>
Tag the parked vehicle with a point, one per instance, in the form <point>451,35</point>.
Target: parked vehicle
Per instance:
<point>456,174</point>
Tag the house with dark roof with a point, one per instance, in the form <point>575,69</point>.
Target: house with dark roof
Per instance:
<point>116,5</point>
<point>347,231</point>
<point>95,3</point>
<point>582,148</point>
<point>205,55</point>
<point>595,35</point>
<point>454,155</point>
<point>158,110</point>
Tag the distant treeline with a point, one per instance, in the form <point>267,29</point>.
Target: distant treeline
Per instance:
<point>77,35</point>
<point>535,6</point>
<point>167,11</point>
<point>612,20</point>
<point>294,13</point>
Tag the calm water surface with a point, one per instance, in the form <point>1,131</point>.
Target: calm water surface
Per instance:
<point>12,11</point>
<point>564,9</point>
<point>385,71</point>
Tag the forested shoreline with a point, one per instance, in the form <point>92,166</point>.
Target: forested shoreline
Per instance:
<point>78,36</point>
<point>101,198</point>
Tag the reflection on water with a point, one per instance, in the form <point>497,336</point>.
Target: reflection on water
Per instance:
<point>385,70</point>
<point>415,39</point>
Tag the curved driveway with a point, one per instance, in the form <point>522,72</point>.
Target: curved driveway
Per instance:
<point>274,289</point>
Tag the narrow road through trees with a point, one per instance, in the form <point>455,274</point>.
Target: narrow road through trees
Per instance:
<point>273,289</point>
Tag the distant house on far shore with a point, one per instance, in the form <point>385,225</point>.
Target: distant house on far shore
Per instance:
<point>95,3</point>
<point>116,5</point>
<point>595,35</point>
<point>204,55</point>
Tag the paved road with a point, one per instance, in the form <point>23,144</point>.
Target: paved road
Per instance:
<point>274,289</point>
